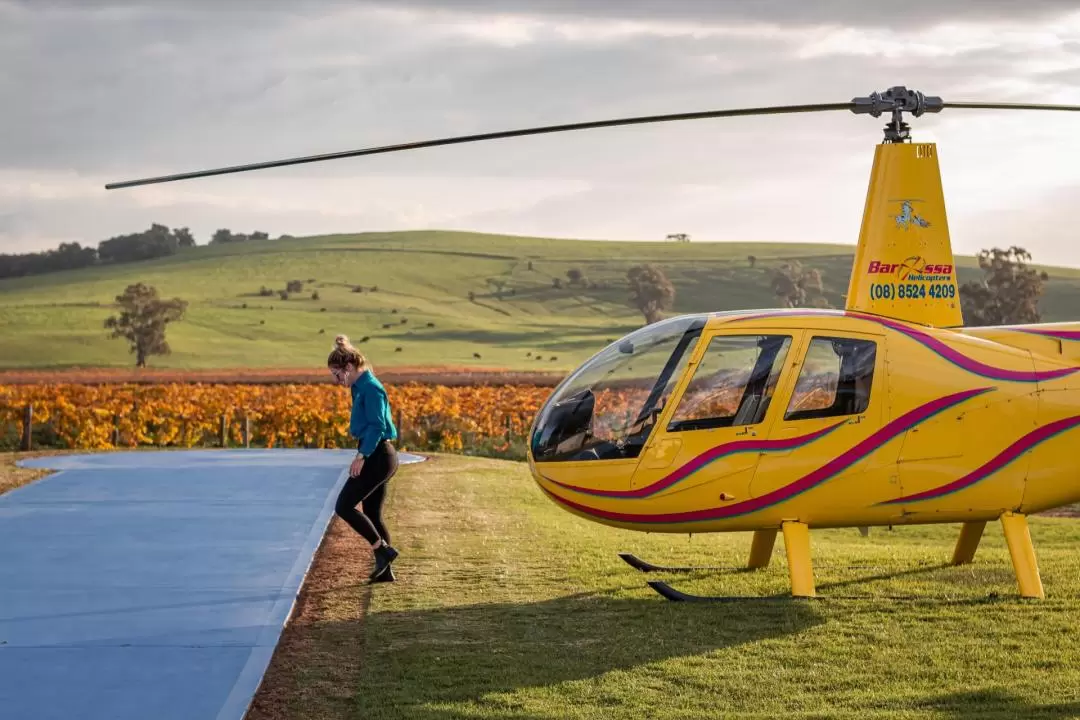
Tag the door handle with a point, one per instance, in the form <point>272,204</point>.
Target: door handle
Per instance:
<point>747,431</point>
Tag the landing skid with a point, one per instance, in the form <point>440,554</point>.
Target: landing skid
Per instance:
<point>670,593</point>
<point>644,566</point>
<point>800,570</point>
<point>674,595</point>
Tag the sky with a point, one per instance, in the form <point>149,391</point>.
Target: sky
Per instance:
<point>100,91</point>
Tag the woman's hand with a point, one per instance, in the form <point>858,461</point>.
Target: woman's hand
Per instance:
<point>357,466</point>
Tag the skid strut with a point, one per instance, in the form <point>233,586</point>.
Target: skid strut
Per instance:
<point>1018,538</point>
<point>796,544</point>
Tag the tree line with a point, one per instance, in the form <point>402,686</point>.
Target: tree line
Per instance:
<point>158,241</point>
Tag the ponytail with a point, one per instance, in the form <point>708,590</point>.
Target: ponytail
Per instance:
<point>345,354</point>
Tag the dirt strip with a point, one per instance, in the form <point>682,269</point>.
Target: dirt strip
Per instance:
<point>316,666</point>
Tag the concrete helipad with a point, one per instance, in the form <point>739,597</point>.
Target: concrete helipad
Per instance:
<point>155,584</point>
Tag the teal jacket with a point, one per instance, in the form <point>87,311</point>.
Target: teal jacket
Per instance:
<point>371,421</point>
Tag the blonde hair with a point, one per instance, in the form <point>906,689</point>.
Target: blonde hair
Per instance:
<point>344,353</point>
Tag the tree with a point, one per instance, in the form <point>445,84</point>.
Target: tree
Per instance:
<point>794,285</point>
<point>575,276</point>
<point>156,242</point>
<point>143,320</point>
<point>1008,293</point>
<point>650,291</point>
<point>184,238</point>
<point>222,235</point>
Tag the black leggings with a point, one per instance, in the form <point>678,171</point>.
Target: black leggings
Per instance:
<point>369,487</point>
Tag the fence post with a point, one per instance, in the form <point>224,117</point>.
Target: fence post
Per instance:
<point>28,428</point>
<point>224,431</point>
<point>247,430</point>
<point>116,431</point>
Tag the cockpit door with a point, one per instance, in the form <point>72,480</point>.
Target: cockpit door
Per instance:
<point>704,450</point>
<point>828,433</point>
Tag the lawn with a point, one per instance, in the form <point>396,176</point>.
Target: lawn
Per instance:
<point>507,607</point>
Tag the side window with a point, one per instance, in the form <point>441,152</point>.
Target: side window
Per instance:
<point>835,380</point>
<point>733,384</point>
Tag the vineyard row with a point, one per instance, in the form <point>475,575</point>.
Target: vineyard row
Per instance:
<point>494,419</point>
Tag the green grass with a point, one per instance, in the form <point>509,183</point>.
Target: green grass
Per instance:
<point>56,320</point>
<point>507,607</point>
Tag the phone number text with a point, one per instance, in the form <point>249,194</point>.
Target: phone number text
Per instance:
<point>906,291</point>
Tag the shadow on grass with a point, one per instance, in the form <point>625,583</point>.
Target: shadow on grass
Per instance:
<point>923,570</point>
<point>996,704</point>
<point>418,662</point>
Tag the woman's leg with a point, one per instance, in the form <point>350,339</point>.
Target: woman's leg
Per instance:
<point>372,510</point>
<point>369,487</point>
<point>347,500</point>
<point>372,507</point>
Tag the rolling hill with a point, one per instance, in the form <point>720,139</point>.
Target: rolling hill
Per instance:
<point>414,296</point>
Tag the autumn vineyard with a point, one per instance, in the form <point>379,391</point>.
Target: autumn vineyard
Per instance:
<point>488,418</point>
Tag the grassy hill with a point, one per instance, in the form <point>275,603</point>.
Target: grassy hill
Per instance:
<point>421,302</point>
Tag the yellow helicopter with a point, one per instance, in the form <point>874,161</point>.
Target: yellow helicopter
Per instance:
<point>888,412</point>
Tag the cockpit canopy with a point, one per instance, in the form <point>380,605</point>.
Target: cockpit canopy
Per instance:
<point>607,407</point>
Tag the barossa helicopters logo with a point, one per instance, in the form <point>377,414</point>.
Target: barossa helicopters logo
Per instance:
<point>907,217</point>
<point>913,268</point>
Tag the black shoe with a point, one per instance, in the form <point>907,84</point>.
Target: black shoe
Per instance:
<point>386,577</point>
<point>384,555</point>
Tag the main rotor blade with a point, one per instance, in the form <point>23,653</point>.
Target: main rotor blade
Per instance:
<point>779,109</point>
<point>1010,106</point>
<point>737,112</point>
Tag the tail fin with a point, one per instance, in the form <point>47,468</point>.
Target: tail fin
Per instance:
<point>904,265</point>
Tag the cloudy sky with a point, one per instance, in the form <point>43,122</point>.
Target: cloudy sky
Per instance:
<point>97,91</point>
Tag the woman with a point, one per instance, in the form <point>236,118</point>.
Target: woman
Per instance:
<point>376,458</point>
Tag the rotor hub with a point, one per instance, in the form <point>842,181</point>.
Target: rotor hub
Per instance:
<point>897,100</point>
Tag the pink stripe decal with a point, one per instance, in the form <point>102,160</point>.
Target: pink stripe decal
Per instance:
<point>692,466</point>
<point>873,442</point>
<point>1003,458</point>
<point>958,359</point>
<point>1056,334</point>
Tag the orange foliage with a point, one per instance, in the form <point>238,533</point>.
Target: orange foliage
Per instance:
<point>432,417</point>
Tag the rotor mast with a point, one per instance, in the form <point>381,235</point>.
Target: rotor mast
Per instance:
<point>897,100</point>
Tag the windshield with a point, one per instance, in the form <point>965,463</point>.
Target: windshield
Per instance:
<point>608,407</point>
